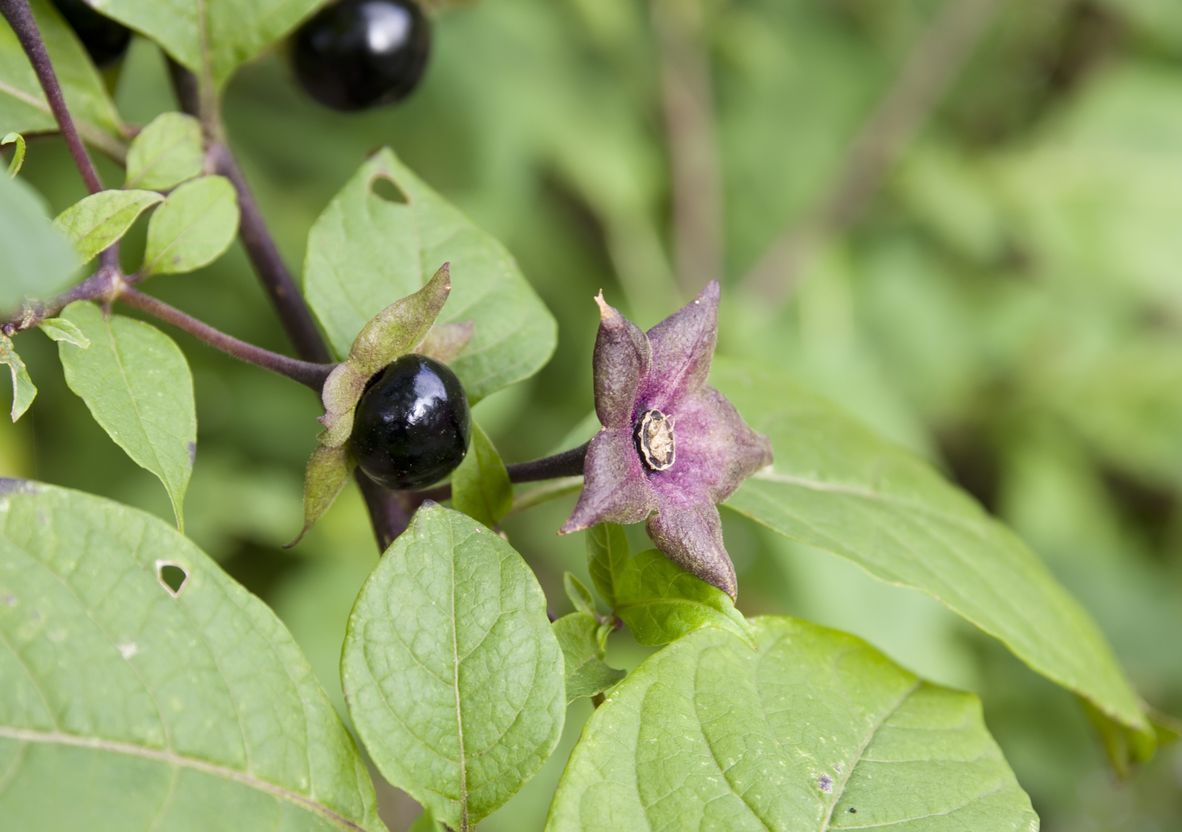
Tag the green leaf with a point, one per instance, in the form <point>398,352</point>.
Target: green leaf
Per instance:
<point>452,673</point>
<point>18,151</point>
<point>425,823</point>
<point>326,475</point>
<point>194,226</point>
<point>661,602</point>
<point>173,697</point>
<point>59,329</point>
<point>480,487</point>
<point>607,553</point>
<point>96,221</point>
<point>137,385</point>
<point>586,672</point>
<point>812,730</point>
<point>23,107</point>
<point>36,260</point>
<point>23,389</point>
<point>577,593</point>
<point>166,153</point>
<point>212,37</point>
<point>367,249</point>
<point>836,486</point>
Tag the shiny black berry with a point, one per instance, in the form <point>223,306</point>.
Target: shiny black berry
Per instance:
<point>411,426</point>
<point>104,39</point>
<point>356,54</point>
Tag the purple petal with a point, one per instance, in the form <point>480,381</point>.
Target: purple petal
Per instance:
<point>622,356</point>
<point>682,346</point>
<point>615,489</point>
<point>716,451</point>
<point>692,538</point>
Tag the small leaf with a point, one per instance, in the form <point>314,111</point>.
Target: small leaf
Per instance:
<point>661,602</point>
<point>480,487</point>
<point>194,226</point>
<point>327,473</point>
<point>97,221</point>
<point>137,385</point>
<point>425,823</point>
<point>365,249</point>
<point>36,260</point>
<point>452,673</point>
<point>586,672</point>
<point>813,730</point>
<point>392,333</point>
<point>59,329</point>
<point>165,153</point>
<point>607,554</point>
<point>175,698</point>
<point>23,389</point>
<point>23,107</point>
<point>578,594</point>
<point>18,152</point>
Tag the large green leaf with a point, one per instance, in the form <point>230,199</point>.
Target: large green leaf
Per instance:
<point>23,107</point>
<point>193,227</point>
<point>36,259</point>
<point>812,730</point>
<point>137,384</point>
<point>839,487</point>
<point>96,221</point>
<point>370,248</point>
<point>131,704</point>
<point>453,676</point>
<point>211,37</point>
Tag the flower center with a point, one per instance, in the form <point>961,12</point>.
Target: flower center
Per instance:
<point>654,440</point>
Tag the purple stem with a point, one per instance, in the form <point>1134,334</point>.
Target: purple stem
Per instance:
<point>306,373</point>
<point>565,464</point>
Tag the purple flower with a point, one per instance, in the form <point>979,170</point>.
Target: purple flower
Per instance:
<point>671,448</point>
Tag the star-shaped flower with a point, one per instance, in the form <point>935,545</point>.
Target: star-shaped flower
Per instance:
<point>671,448</point>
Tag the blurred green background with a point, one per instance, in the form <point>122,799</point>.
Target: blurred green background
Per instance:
<point>1008,304</point>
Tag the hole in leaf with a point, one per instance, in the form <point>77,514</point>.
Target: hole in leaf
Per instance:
<point>172,576</point>
<point>387,189</point>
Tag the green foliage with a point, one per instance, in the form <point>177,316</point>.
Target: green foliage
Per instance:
<point>838,487</point>
<point>137,385</point>
<point>23,107</point>
<point>380,238</point>
<point>480,487</point>
<point>812,729</point>
<point>194,226</point>
<point>213,37</point>
<point>18,151</point>
<point>587,674</point>
<point>165,153</point>
<point>97,221</point>
<point>453,675</point>
<point>36,260</point>
<point>23,389</point>
<point>199,709</point>
<point>61,330</point>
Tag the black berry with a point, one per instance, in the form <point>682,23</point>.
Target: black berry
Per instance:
<point>104,39</point>
<point>411,426</point>
<point>356,54</point>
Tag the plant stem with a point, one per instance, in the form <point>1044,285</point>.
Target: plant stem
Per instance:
<point>388,510</point>
<point>565,464</point>
<point>20,17</point>
<point>268,263</point>
<point>306,373</point>
<point>926,74</point>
